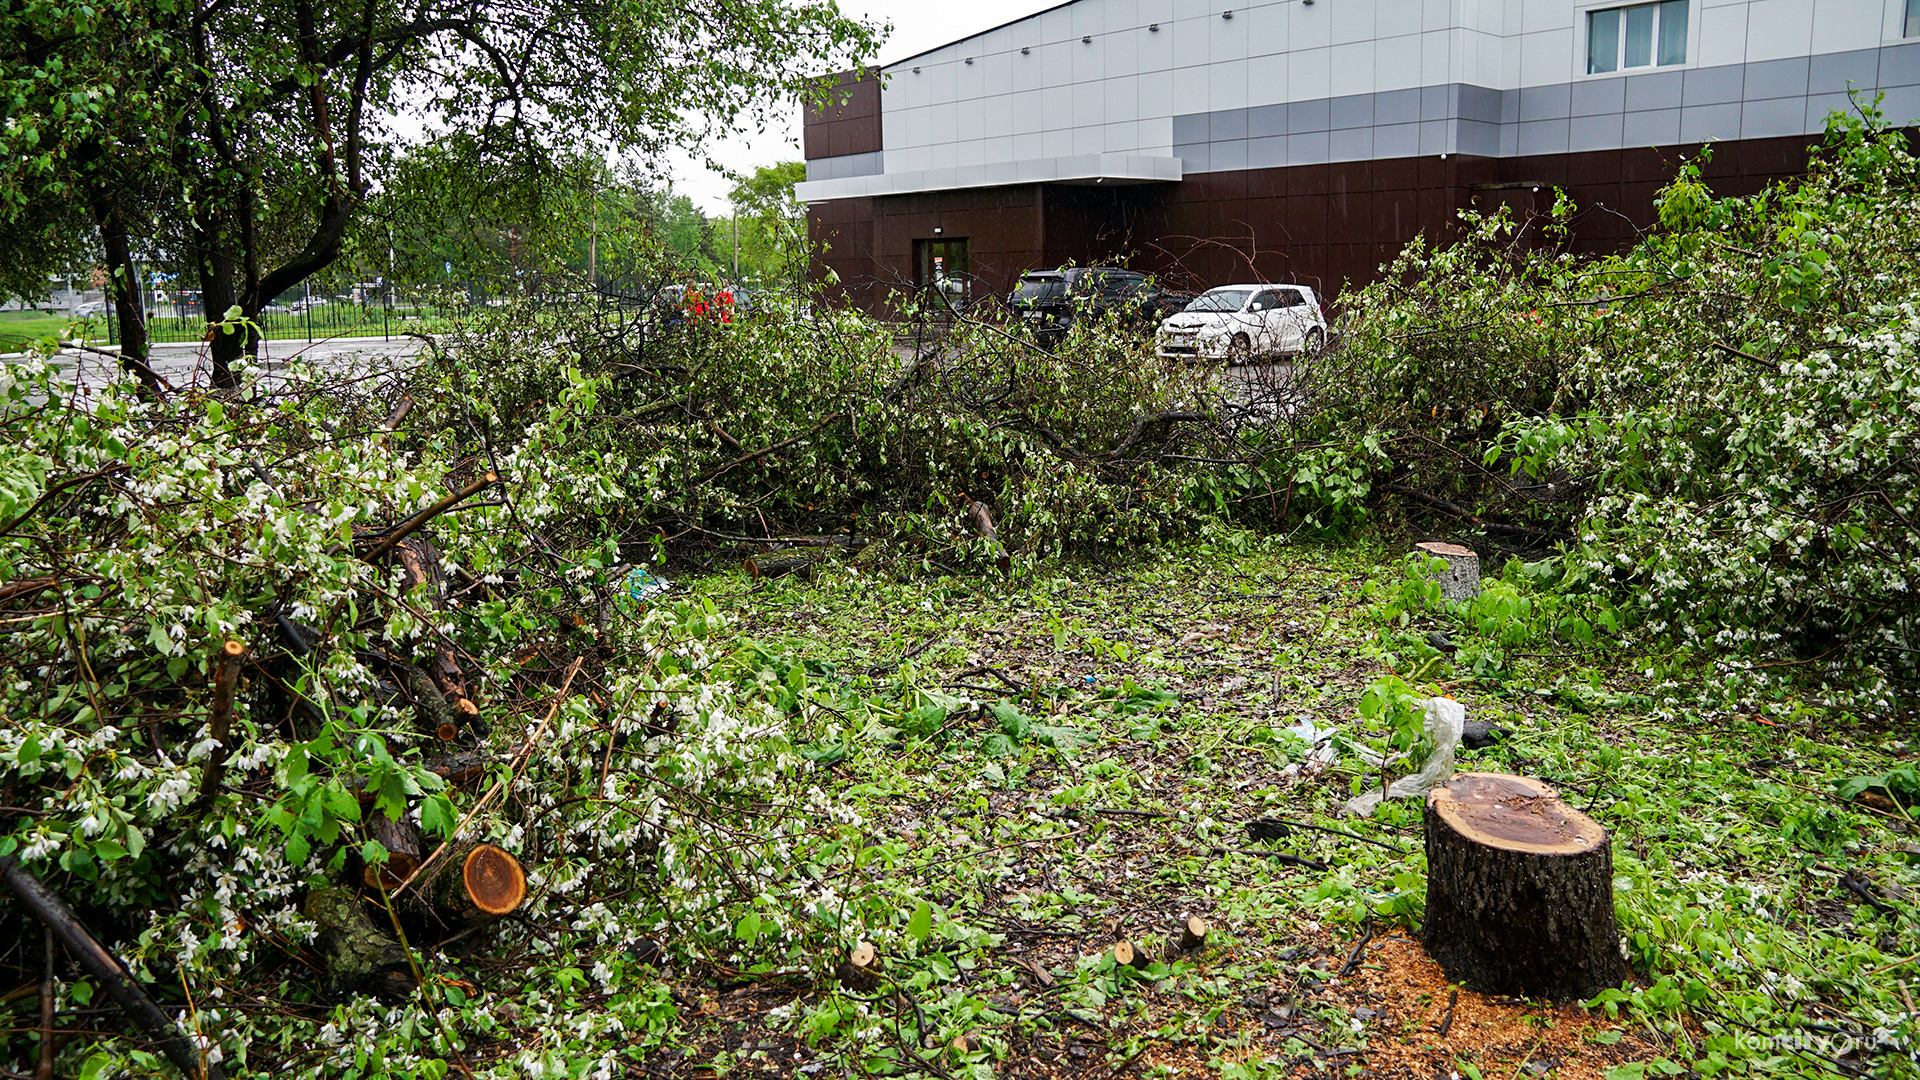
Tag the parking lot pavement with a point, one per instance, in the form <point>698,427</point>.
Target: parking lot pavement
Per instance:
<point>188,364</point>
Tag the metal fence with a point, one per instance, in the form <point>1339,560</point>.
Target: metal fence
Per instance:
<point>311,319</point>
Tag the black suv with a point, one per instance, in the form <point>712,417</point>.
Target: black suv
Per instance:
<point>1048,301</point>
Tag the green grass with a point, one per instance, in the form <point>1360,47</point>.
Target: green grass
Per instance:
<point>17,328</point>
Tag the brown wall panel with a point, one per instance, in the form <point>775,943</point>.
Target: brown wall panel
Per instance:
<point>1329,226</point>
<point>848,122</point>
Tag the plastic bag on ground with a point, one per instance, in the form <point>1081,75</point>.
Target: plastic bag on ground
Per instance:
<point>1446,718</point>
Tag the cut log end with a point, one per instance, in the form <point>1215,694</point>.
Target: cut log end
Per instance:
<point>390,875</point>
<point>493,879</point>
<point>858,970</point>
<point>1514,813</point>
<point>446,732</point>
<point>1193,933</point>
<point>234,649</point>
<point>1126,955</point>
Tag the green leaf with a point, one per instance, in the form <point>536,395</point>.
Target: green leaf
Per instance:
<point>920,924</point>
<point>96,1065</point>
<point>437,816</point>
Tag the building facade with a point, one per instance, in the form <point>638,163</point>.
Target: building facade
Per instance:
<point>1307,140</point>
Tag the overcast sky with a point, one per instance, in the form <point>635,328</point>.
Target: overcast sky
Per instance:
<point>918,25</point>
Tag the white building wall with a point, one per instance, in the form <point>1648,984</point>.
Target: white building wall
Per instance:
<point>1292,82</point>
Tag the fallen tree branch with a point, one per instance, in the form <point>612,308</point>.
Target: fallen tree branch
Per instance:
<point>714,474</point>
<point>226,675</point>
<point>401,531</point>
<point>97,962</point>
<point>138,367</point>
<point>1281,856</point>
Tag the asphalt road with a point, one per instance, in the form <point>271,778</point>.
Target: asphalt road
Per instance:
<point>187,364</point>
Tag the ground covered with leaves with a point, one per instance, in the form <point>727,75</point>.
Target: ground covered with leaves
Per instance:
<point>1038,770</point>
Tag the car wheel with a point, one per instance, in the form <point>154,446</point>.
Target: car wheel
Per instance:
<point>1240,349</point>
<point>1316,341</point>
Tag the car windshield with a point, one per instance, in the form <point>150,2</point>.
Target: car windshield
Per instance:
<point>1032,290</point>
<point>1221,300</point>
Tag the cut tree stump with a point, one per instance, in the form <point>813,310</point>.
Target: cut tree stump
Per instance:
<point>1519,890</point>
<point>402,841</point>
<point>1193,933</point>
<point>475,884</point>
<point>1461,579</point>
<point>859,971</point>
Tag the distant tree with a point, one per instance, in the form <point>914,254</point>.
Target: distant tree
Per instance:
<point>247,136</point>
<point>772,223</point>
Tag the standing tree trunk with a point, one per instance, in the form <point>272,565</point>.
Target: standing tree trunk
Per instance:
<point>1519,890</point>
<point>123,284</point>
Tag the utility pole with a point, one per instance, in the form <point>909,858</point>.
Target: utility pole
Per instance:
<point>736,245</point>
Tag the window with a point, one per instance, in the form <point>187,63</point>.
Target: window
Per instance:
<point>1645,35</point>
<point>1291,298</point>
<point>1912,28</point>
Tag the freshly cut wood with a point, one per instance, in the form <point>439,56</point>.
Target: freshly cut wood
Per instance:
<point>768,567</point>
<point>475,884</point>
<point>1519,890</point>
<point>493,880</point>
<point>402,842</point>
<point>1461,579</point>
<point>1124,953</point>
<point>1193,933</point>
<point>981,517</point>
<point>859,970</point>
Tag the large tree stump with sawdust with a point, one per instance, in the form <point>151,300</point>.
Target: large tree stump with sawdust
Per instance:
<point>1519,890</point>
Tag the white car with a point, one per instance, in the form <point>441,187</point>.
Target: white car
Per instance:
<point>1238,322</point>
<point>92,309</point>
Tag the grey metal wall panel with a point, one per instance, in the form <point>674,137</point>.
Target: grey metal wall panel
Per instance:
<point>1600,97</point>
<point>1774,116</point>
<point>1309,148</point>
<point>1656,91</point>
<point>1478,137</point>
<point>1396,107</point>
<point>1265,120</point>
<point>1702,122</point>
<point>1652,127</point>
<point>1303,116</point>
<point>1604,132</point>
<point>1711,86</point>
<point>1353,111</point>
<point>1481,103</point>
<point>1543,136</point>
<point>1546,102</point>
<point>1900,65</point>
<point>1776,79</point>
<point>1836,73</point>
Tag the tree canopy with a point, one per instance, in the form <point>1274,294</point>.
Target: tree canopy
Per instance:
<point>242,139</point>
